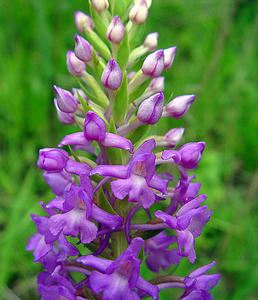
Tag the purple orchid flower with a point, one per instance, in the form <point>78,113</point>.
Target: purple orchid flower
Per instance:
<point>188,223</point>
<point>198,284</point>
<point>119,279</point>
<point>78,208</point>
<point>159,256</point>
<point>138,178</point>
<point>55,285</point>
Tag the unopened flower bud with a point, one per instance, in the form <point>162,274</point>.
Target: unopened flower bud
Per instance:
<point>79,94</point>
<point>151,109</point>
<point>179,106</point>
<point>63,117</point>
<point>83,49</point>
<point>148,2</point>
<point>65,100</point>
<point>116,30</point>
<point>173,136</point>
<point>112,75</point>
<point>169,56</point>
<point>157,84</point>
<point>154,64</point>
<point>100,5</point>
<point>83,21</point>
<point>52,159</point>
<point>139,12</point>
<point>131,75</point>
<point>94,127</point>
<point>191,154</point>
<point>75,66</point>
<point>151,41</point>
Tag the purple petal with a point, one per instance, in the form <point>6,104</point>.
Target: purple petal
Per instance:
<point>169,220</point>
<point>112,171</point>
<point>171,155</point>
<point>100,264</point>
<point>191,204</point>
<point>39,247</point>
<point>76,138</point>
<point>77,168</point>
<point>147,147</point>
<point>148,288</point>
<point>186,245</point>
<point>103,217</point>
<point>121,188</point>
<point>202,270</point>
<point>58,182</point>
<point>159,184</point>
<point>117,141</point>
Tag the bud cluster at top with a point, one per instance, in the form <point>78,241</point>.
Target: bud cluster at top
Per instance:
<point>124,199</point>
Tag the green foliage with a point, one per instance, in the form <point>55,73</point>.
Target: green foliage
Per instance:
<point>216,60</point>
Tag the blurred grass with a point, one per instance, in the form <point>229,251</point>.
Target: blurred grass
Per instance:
<point>216,60</point>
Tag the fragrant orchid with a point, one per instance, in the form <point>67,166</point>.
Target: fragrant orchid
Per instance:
<point>108,174</point>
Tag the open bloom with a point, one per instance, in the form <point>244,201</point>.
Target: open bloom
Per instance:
<point>138,178</point>
<point>119,279</point>
<point>159,256</point>
<point>188,223</point>
<point>198,284</point>
<point>78,211</point>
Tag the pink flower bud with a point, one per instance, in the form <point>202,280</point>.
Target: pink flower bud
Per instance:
<point>65,100</point>
<point>52,159</point>
<point>63,117</point>
<point>179,106</point>
<point>83,49</point>
<point>148,2</point>
<point>116,30</point>
<point>83,21</point>
<point>154,64</point>
<point>100,5</point>
<point>169,56</point>
<point>174,136</point>
<point>157,84</point>
<point>112,75</point>
<point>191,154</point>
<point>151,41</point>
<point>75,66</point>
<point>94,127</point>
<point>139,12</point>
<point>151,109</point>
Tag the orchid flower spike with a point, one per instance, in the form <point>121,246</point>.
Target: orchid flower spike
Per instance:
<point>109,170</point>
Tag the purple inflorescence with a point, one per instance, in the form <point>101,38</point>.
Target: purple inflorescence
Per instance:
<point>123,199</point>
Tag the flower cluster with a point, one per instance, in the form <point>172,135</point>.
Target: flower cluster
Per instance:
<point>117,204</point>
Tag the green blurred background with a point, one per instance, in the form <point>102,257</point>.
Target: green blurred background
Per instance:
<point>216,60</point>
